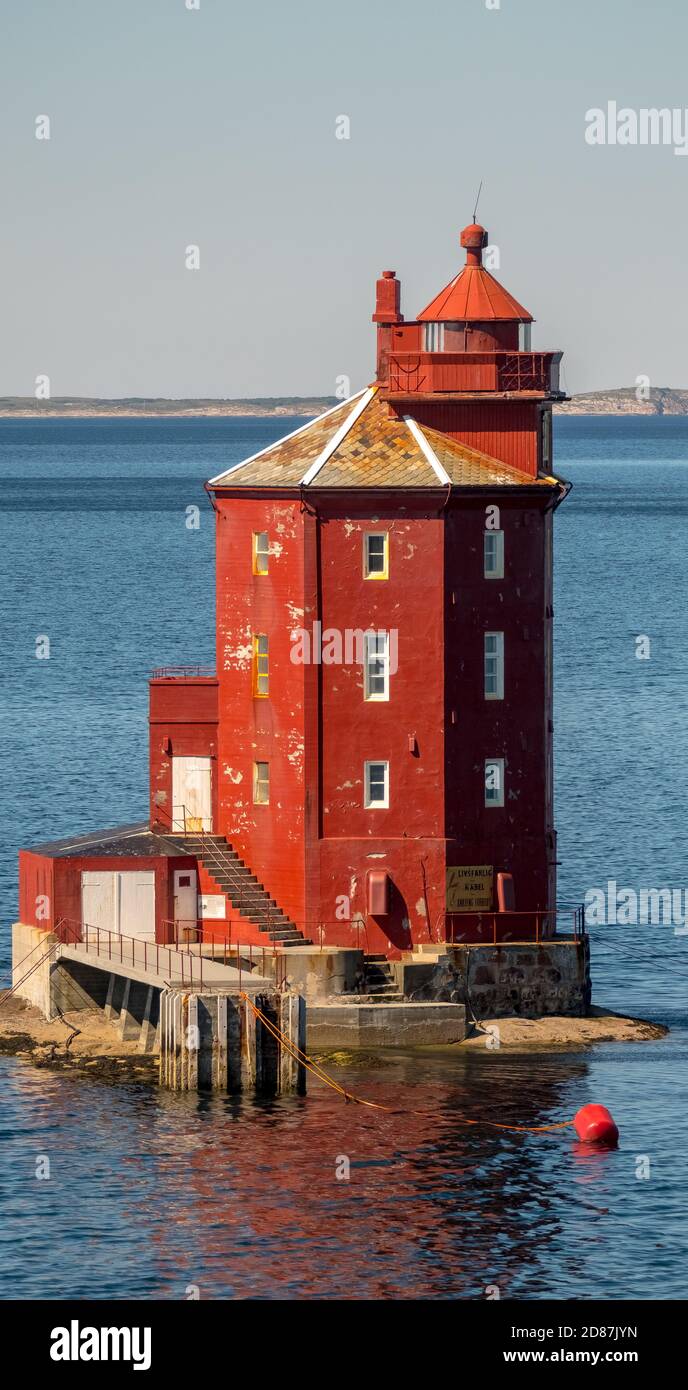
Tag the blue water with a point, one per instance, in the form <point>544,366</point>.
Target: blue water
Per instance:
<point>150,1193</point>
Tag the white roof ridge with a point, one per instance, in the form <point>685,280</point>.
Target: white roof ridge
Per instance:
<point>337,437</point>
<point>292,433</point>
<point>427,449</point>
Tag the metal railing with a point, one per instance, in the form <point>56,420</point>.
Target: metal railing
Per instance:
<point>524,371</point>
<point>180,673</point>
<point>215,858</point>
<point>134,951</point>
<point>467,372</point>
<point>543,925</point>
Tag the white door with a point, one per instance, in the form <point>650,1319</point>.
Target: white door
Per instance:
<point>121,903</point>
<point>97,902</point>
<point>136,915</point>
<point>185,904</point>
<point>191,795</point>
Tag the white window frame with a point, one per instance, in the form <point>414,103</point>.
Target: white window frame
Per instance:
<point>368,802</point>
<point>492,800</point>
<point>493,664</point>
<point>375,665</point>
<point>496,570</point>
<point>261,781</point>
<point>368,573</point>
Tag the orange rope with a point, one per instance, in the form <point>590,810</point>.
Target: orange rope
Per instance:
<point>349,1096</point>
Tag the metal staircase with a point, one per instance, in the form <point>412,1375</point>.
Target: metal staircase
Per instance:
<point>246,894</point>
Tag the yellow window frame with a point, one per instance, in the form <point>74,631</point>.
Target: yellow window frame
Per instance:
<point>261,666</point>
<point>384,572</point>
<point>259,555</point>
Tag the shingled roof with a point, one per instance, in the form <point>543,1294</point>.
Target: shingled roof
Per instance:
<point>358,444</point>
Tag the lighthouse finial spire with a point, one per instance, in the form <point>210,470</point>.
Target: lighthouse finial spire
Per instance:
<point>477,200</point>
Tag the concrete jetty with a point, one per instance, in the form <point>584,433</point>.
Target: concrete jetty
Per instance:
<point>198,1013</point>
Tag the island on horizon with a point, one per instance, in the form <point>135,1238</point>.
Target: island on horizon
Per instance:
<point>661,400</point>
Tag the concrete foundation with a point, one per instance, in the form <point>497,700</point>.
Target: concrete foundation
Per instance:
<point>384,1025</point>
<point>33,958</point>
<point>209,1039</point>
<point>530,981</point>
<point>315,974</point>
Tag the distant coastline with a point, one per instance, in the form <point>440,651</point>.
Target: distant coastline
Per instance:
<point>87,407</point>
<point>661,401</point>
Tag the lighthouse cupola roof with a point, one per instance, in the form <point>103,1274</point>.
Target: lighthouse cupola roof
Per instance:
<point>474,296</point>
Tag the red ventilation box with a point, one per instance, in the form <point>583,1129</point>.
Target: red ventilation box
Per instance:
<point>506,896</point>
<point>378,892</point>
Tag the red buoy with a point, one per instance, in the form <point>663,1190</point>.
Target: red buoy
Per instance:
<point>594,1124</point>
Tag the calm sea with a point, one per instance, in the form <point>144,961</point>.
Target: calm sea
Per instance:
<point>151,1193</point>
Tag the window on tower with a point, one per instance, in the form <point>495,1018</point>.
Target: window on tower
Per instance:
<point>376,666</point>
<point>261,552</point>
<point>493,554</point>
<point>433,337</point>
<point>376,785</point>
<point>376,555</point>
<point>494,781</point>
<point>261,784</point>
<point>261,666</point>
<point>494,665</point>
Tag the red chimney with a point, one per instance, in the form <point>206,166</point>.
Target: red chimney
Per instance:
<point>387,313</point>
<point>388,299</point>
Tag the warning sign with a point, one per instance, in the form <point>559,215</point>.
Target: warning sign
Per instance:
<point>469,889</point>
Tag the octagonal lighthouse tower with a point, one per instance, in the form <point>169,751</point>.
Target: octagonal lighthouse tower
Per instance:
<point>381,756</point>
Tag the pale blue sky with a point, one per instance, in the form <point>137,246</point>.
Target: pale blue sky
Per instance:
<point>217,127</point>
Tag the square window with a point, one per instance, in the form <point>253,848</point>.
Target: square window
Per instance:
<point>261,784</point>
<point>261,552</point>
<point>376,666</point>
<point>494,781</point>
<point>493,554</point>
<point>376,555</point>
<point>494,665</point>
<point>261,666</point>
<point>376,785</point>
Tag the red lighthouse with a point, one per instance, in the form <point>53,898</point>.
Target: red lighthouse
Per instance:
<point>372,761</point>
<point>405,783</point>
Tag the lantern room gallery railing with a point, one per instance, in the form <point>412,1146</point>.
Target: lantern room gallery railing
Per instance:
<point>469,372</point>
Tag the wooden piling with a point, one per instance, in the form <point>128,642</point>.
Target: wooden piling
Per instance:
<point>215,1042</point>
